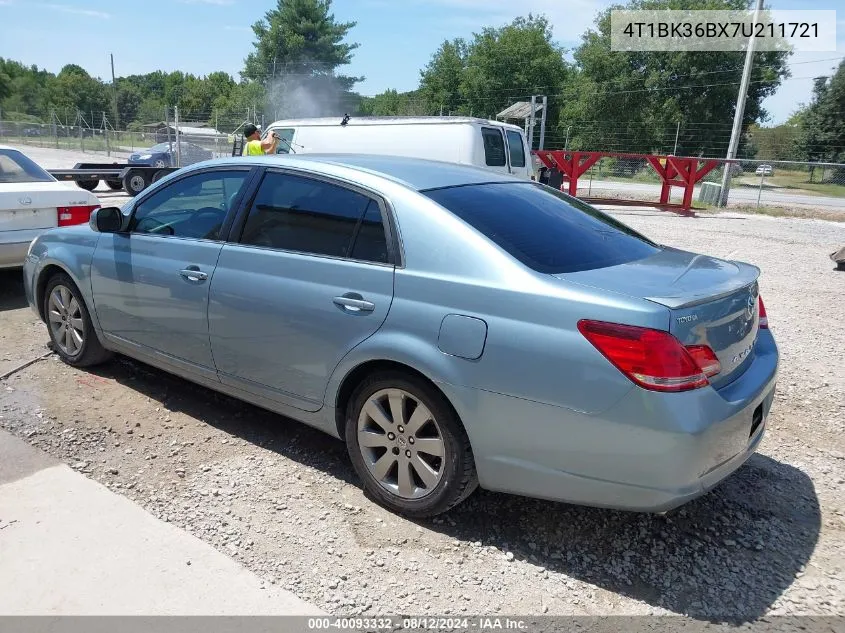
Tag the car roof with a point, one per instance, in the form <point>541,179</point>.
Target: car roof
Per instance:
<point>415,173</point>
<point>390,120</point>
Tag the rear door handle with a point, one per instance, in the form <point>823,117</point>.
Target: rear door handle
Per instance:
<point>354,302</point>
<point>193,273</point>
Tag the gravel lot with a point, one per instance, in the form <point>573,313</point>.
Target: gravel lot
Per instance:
<point>284,501</point>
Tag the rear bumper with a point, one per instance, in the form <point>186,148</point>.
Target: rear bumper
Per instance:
<point>13,255</point>
<point>650,452</point>
<point>14,245</point>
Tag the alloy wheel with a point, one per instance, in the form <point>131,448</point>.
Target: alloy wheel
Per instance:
<point>65,319</point>
<point>401,443</point>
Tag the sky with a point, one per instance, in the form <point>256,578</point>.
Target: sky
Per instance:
<point>396,37</point>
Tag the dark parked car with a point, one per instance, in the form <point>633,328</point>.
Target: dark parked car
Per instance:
<point>164,155</point>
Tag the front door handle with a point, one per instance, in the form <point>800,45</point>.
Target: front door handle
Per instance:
<point>353,302</point>
<point>193,273</point>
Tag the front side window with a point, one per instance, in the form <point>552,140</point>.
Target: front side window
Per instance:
<point>300,214</point>
<point>193,207</point>
<point>494,147</point>
<point>15,167</point>
<point>517,152</point>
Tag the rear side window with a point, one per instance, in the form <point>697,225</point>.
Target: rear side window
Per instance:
<point>15,167</point>
<point>543,228</point>
<point>494,147</point>
<point>311,216</point>
<point>517,152</point>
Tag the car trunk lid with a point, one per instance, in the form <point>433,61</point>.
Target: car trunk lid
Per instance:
<point>711,301</point>
<point>35,205</point>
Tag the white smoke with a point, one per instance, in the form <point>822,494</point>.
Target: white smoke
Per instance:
<point>302,96</point>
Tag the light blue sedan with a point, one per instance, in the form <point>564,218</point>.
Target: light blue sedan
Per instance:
<point>456,327</point>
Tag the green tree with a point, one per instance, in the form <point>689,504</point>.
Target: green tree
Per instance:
<point>774,143</point>
<point>129,100</point>
<point>25,89</point>
<point>392,103</point>
<point>74,89</point>
<point>174,88</point>
<point>440,80</point>
<point>298,49</point>
<point>510,64</point>
<point>5,85</point>
<point>151,110</point>
<point>822,129</point>
<point>632,101</point>
<point>300,37</point>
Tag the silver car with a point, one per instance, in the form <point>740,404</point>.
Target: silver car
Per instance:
<point>455,327</point>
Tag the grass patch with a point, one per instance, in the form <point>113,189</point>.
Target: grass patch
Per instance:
<point>776,212</point>
<point>794,180</point>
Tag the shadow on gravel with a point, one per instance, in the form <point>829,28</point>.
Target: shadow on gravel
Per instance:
<point>728,555</point>
<point>258,426</point>
<point>12,295</point>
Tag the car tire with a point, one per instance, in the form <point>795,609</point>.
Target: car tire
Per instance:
<point>159,164</point>
<point>114,185</point>
<point>69,324</point>
<point>134,182</point>
<point>88,185</point>
<point>432,483</point>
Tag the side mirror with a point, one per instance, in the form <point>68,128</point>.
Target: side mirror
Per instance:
<point>106,220</point>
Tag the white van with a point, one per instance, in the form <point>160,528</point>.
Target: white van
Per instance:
<point>491,145</point>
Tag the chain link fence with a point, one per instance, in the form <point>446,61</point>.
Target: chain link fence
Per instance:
<point>170,142</point>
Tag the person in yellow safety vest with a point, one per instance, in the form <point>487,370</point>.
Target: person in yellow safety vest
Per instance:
<point>254,146</point>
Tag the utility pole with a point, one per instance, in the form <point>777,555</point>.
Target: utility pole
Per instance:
<point>543,122</point>
<point>677,134</point>
<point>178,137</point>
<point>532,119</point>
<point>106,134</point>
<point>167,126</point>
<point>740,112</point>
<point>79,120</point>
<point>114,91</point>
<point>53,119</point>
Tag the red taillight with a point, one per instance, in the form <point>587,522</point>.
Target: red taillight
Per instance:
<point>705,359</point>
<point>68,216</point>
<point>764,320</point>
<point>653,359</point>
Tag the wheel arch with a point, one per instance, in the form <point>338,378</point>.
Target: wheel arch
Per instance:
<point>357,374</point>
<point>47,272</point>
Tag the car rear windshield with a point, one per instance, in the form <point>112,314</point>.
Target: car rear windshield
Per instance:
<point>543,228</point>
<point>15,167</point>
